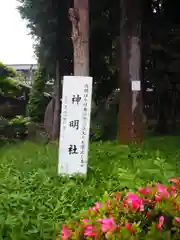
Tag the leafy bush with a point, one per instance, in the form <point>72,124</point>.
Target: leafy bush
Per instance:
<point>8,84</point>
<point>16,128</point>
<point>35,201</point>
<point>37,133</point>
<point>20,120</point>
<point>3,123</point>
<point>150,213</point>
<point>6,71</point>
<point>37,102</point>
<point>96,131</point>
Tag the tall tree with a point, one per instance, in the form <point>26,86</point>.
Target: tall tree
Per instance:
<point>130,107</point>
<point>53,47</point>
<point>79,16</point>
<point>162,62</point>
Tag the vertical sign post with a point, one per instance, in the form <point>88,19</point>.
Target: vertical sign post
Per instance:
<point>75,125</point>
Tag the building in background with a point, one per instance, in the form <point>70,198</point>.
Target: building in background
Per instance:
<point>26,70</point>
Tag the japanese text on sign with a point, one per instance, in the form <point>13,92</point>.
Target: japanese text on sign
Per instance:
<point>74,134</point>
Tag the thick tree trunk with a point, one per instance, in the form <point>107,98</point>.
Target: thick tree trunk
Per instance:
<point>56,115</point>
<point>130,124</point>
<point>79,17</point>
<point>52,113</point>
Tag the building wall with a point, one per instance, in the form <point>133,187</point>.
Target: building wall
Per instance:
<point>26,70</point>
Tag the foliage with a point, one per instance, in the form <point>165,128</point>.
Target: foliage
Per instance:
<point>6,71</point>
<point>36,105</point>
<point>104,30</point>
<point>151,212</point>
<point>160,47</point>
<point>8,84</point>
<point>96,131</point>
<point>104,119</point>
<point>15,128</point>
<point>19,120</point>
<point>18,127</point>
<point>161,58</point>
<point>34,201</point>
<point>3,123</point>
<point>53,36</point>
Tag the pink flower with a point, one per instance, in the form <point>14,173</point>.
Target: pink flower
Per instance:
<point>174,191</point>
<point>96,207</point>
<point>124,203</point>
<point>141,208</point>
<point>118,228</point>
<point>157,198</point>
<point>89,231</point>
<point>146,190</point>
<point>161,222</point>
<point>135,201</point>
<point>177,219</point>
<point>142,190</point>
<point>107,224</point>
<point>66,233</point>
<point>108,202</point>
<point>177,208</point>
<point>85,220</point>
<point>129,227</point>
<point>162,190</point>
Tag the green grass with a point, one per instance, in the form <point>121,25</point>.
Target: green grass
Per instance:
<point>34,201</point>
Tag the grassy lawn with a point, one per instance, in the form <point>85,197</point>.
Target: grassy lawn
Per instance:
<point>34,201</point>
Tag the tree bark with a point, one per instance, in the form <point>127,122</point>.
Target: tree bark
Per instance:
<point>48,117</point>
<point>56,115</point>
<point>162,113</point>
<point>79,16</point>
<point>130,122</point>
<point>174,107</point>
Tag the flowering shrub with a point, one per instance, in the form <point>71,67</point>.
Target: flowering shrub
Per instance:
<point>150,213</point>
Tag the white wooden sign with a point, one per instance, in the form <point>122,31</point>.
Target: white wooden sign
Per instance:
<point>75,125</point>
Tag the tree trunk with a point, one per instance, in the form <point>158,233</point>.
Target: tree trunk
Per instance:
<point>174,108</point>
<point>130,124</point>
<point>79,16</point>
<point>48,117</point>
<point>162,114</point>
<point>56,115</point>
